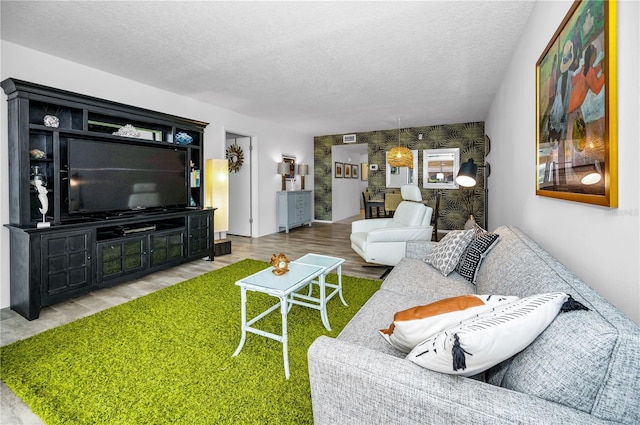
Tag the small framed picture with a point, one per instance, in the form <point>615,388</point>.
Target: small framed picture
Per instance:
<point>347,171</point>
<point>338,170</point>
<point>355,171</point>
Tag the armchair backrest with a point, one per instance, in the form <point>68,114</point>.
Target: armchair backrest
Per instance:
<point>410,214</point>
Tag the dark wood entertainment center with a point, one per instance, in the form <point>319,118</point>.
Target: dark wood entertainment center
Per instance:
<point>78,253</point>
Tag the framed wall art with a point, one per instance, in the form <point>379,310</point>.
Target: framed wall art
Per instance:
<point>347,171</point>
<point>355,171</point>
<point>576,108</point>
<point>338,170</point>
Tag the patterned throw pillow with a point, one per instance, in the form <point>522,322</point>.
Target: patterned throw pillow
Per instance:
<point>473,255</point>
<point>477,344</point>
<point>412,326</point>
<point>446,254</point>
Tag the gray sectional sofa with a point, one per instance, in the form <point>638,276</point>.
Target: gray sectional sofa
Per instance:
<point>583,369</point>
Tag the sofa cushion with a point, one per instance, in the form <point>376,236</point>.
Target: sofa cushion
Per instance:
<point>446,254</point>
<point>474,253</point>
<point>587,360</point>
<point>477,344</point>
<point>415,277</point>
<point>377,313</point>
<point>412,326</point>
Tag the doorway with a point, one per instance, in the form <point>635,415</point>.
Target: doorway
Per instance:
<point>346,190</point>
<point>240,184</point>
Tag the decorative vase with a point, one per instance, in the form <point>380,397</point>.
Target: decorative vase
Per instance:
<point>51,121</point>
<point>36,175</point>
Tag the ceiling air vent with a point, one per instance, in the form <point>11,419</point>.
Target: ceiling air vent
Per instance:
<point>349,138</point>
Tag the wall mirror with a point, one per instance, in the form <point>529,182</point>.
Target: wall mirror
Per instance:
<point>291,160</point>
<point>399,176</point>
<point>440,167</point>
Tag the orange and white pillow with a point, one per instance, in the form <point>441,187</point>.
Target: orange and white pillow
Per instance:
<point>412,326</point>
<point>479,343</point>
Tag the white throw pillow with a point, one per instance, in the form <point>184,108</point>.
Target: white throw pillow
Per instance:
<point>479,343</point>
<point>412,326</point>
<point>446,254</point>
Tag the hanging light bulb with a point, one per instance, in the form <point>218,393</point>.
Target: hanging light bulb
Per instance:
<point>400,156</point>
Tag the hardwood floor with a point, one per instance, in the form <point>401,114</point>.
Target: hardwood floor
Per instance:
<point>320,238</point>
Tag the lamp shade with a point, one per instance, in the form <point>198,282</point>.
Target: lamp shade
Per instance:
<point>303,169</point>
<point>283,168</point>
<point>217,192</point>
<point>467,174</point>
<point>400,156</point>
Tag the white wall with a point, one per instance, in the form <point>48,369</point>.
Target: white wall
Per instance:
<point>600,245</point>
<point>30,65</point>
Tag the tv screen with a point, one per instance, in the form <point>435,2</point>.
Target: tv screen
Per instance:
<point>108,176</point>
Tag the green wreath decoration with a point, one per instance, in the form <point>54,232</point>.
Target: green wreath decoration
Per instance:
<point>235,156</point>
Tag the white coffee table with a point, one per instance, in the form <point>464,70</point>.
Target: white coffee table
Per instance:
<point>302,273</point>
<point>328,264</point>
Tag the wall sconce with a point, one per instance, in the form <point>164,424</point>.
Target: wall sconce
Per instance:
<point>217,192</point>
<point>303,170</point>
<point>283,169</point>
<point>467,176</point>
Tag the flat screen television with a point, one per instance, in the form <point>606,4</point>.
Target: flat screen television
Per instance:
<point>110,177</point>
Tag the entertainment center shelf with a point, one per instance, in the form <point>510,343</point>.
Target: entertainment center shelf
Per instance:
<point>122,193</point>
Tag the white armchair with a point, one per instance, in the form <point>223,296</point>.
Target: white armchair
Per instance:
<point>383,240</point>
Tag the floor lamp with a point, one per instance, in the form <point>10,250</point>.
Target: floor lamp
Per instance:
<point>467,177</point>
<point>435,222</point>
<point>217,196</point>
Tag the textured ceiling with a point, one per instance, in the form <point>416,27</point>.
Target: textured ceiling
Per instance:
<point>317,67</point>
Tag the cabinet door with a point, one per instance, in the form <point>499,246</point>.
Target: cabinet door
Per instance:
<point>200,234</point>
<point>166,247</point>
<point>120,257</point>
<point>293,209</point>
<point>306,208</point>
<point>66,263</point>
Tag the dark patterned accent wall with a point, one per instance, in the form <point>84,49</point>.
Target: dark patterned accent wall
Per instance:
<point>455,204</point>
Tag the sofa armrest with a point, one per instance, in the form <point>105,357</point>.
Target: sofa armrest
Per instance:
<point>369,225</point>
<point>351,384</point>
<point>399,234</point>
<point>419,249</point>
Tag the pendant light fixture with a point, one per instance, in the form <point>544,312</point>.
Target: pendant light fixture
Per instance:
<point>400,156</point>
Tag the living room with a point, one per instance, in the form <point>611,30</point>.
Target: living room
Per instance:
<point>601,245</point>
<point>557,225</point>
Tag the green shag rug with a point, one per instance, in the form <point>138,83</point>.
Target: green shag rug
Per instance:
<point>165,358</point>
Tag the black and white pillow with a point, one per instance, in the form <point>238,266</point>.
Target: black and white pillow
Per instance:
<point>474,253</point>
<point>446,254</point>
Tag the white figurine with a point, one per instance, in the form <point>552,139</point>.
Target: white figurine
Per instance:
<point>44,201</point>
